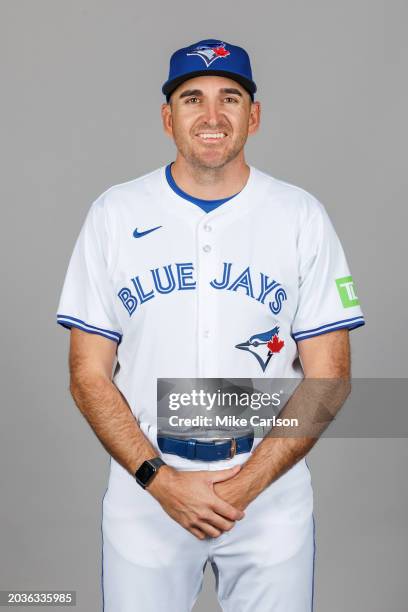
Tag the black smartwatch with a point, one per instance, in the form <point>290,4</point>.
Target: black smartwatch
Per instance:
<point>148,471</point>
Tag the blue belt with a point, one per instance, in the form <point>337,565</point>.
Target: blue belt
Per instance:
<point>206,451</point>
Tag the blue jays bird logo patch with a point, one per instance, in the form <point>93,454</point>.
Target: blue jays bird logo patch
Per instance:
<point>210,52</point>
<point>262,346</point>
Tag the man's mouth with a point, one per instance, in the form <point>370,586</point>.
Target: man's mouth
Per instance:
<point>211,136</point>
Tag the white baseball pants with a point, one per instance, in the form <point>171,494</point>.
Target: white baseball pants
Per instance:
<point>264,564</point>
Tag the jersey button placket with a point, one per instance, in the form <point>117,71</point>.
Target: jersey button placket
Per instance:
<point>206,298</point>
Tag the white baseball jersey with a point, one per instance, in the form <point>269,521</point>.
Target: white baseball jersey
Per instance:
<point>187,293</point>
<point>191,294</point>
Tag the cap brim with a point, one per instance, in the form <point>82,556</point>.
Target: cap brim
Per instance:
<point>247,84</point>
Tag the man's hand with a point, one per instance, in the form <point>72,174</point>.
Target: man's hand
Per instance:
<point>190,499</point>
<point>233,492</point>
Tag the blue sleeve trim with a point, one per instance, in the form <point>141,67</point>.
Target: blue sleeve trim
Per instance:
<point>352,323</point>
<point>69,322</point>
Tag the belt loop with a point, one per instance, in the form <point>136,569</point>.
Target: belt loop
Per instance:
<point>191,449</point>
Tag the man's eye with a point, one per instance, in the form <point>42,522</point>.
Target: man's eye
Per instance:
<point>228,99</point>
<point>193,99</point>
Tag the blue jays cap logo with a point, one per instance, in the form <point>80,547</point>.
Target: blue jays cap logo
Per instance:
<point>210,52</point>
<point>262,346</point>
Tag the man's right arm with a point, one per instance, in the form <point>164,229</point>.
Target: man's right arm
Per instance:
<point>188,497</point>
<point>91,360</point>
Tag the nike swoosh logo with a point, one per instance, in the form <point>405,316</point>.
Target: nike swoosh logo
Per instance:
<point>137,234</point>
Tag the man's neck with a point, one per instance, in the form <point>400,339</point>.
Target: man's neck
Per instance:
<point>210,183</point>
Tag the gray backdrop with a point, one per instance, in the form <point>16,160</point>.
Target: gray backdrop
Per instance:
<point>80,111</point>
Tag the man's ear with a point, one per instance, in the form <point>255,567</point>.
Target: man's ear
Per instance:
<point>254,117</point>
<point>167,119</point>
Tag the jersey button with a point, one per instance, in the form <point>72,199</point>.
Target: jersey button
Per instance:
<point>206,248</point>
<point>206,333</point>
<point>207,228</point>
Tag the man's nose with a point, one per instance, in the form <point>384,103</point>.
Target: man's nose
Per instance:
<point>212,113</point>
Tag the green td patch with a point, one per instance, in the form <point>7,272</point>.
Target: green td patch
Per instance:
<point>347,293</point>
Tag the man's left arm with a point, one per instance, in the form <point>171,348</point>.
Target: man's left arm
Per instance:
<point>326,356</point>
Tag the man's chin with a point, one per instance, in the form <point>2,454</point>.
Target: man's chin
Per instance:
<point>212,160</point>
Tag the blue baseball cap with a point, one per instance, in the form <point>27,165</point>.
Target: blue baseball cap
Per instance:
<point>209,57</point>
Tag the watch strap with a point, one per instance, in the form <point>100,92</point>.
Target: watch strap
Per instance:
<point>156,462</point>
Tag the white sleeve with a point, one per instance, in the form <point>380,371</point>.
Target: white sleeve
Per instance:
<point>87,298</point>
<point>327,294</point>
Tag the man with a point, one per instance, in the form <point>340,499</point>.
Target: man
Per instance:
<point>192,271</point>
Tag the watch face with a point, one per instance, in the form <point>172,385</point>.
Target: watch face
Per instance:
<point>145,472</point>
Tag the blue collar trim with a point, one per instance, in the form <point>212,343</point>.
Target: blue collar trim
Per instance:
<point>205,205</point>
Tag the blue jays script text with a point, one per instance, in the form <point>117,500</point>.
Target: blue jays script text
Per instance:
<point>180,277</point>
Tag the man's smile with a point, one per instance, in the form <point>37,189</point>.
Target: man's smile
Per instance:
<point>211,137</point>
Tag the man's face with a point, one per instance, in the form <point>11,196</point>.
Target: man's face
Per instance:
<point>209,118</point>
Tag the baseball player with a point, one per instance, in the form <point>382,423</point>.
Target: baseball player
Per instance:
<point>204,268</point>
